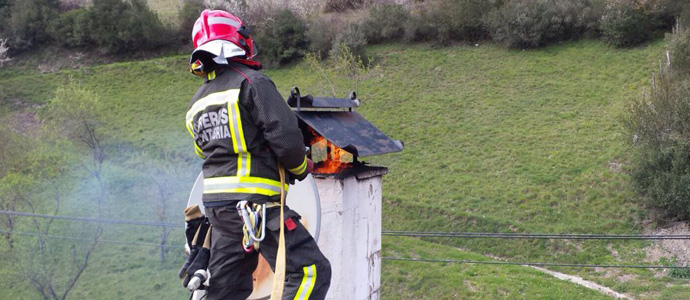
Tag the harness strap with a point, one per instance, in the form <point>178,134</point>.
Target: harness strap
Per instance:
<point>279,278</point>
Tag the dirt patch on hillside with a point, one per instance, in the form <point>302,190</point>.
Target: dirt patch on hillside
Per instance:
<point>677,249</point>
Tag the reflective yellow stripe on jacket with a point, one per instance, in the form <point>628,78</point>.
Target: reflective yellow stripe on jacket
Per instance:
<point>244,184</point>
<point>239,145</point>
<point>301,168</point>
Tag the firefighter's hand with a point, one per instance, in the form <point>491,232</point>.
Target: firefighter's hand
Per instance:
<point>310,166</point>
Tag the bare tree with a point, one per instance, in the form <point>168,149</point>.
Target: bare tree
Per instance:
<point>4,55</point>
<point>167,176</point>
<point>42,180</point>
<point>74,112</point>
<point>13,187</point>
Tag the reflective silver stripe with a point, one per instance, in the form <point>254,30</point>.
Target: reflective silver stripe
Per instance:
<point>239,185</point>
<point>212,99</point>
<point>223,20</point>
<point>196,29</point>
<point>307,285</point>
<point>235,118</point>
<point>245,168</point>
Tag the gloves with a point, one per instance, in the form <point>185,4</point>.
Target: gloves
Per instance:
<point>196,246</point>
<point>198,263</point>
<point>193,217</point>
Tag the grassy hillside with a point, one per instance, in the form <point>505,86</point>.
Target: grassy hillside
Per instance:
<point>496,140</point>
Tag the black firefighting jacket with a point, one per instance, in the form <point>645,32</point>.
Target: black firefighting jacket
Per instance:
<point>242,128</point>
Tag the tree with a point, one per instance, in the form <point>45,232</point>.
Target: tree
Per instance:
<point>38,186</point>
<point>76,113</point>
<point>338,75</point>
<point>12,188</point>
<point>167,177</point>
<point>45,174</point>
<point>4,56</point>
<point>27,20</point>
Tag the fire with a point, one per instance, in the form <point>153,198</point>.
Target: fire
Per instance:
<point>328,158</point>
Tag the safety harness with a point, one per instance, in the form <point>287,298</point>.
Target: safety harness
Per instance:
<point>254,218</point>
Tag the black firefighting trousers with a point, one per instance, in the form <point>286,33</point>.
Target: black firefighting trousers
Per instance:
<point>308,272</point>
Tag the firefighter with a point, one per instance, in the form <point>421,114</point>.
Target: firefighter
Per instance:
<point>243,129</point>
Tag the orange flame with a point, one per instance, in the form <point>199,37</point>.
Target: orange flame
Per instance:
<point>328,158</point>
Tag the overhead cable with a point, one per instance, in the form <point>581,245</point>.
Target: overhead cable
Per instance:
<point>436,234</point>
<point>536,264</point>
<point>72,238</point>
<point>537,235</point>
<point>90,219</point>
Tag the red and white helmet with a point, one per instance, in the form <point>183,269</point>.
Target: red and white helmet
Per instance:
<point>221,35</point>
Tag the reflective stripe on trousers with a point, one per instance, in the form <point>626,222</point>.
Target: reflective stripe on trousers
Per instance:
<point>307,284</point>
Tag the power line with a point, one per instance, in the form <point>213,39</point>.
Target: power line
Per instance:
<point>537,235</point>
<point>90,219</point>
<point>88,240</point>
<point>437,234</point>
<point>536,264</point>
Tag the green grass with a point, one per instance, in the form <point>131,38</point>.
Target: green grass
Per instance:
<point>495,140</point>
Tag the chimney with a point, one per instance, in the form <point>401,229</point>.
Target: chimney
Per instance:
<point>349,190</point>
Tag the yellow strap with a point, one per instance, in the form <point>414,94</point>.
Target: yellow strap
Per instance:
<point>279,278</point>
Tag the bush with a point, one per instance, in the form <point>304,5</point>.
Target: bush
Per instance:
<point>342,5</point>
<point>283,40</point>
<point>662,175</point>
<point>26,23</point>
<point>190,11</point>
<point>679,50</point>
<point>71,29</point>
<point>125,27</point>
<point>385,22</point>
<point>322,31</point>
<point>625,24</point>
<point>350,41</point>
<point>447,20</point>
<point>534,23</point>
<point>659,125</point>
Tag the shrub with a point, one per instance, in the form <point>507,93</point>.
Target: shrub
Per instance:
<point>447,20</point>
<point>662,175</point>
<point>190,11</point>
<point>659,125</point>
<point>679,50</point>
<point>26,22</point>
<point>322,31</point>
<point>71,29</point>
<point>385,22</point>
<point>350,41</point>
<point>283,40</point>
<point>119,26</point>
<point>534,23</point>
<point>341,5</point>
<point>625,24</point>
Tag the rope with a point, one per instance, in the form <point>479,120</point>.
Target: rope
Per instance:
<point>536,264</point>
<point>279,277</point>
